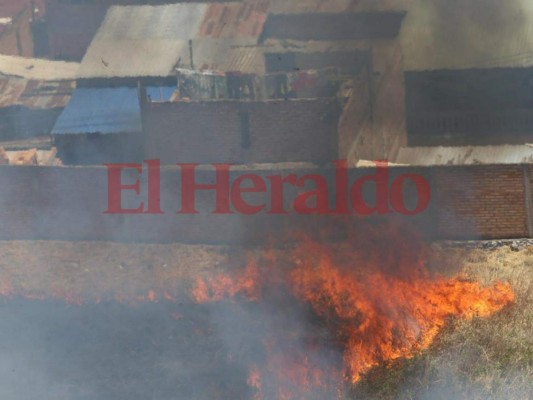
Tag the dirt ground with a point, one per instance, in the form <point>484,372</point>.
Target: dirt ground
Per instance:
<point>92,271</point>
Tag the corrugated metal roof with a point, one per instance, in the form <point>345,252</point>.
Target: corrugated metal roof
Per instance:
<point>248,60</point>
<point>225,55</point>
<point>335,6</point>
<point>313,46</point>
<point>466,155</point>
<point>106,110</point>
<point>40,142</point>
<point>38,69</point>
<point>35,94</point>
<point>235,20</point>
<point>440,34</point>
<point>137,41</point>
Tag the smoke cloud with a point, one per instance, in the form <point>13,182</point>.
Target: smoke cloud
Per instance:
<point>442,34</point>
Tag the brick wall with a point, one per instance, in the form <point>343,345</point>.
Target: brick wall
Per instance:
<point>208,132</point>
<point>487,201</point>
<point>68,203</point>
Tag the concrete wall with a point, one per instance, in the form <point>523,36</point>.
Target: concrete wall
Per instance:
<point>469,106</point>
<point>372,125</point>
<point>97,149</point>
<point>333,26</point>
<point>68,203</point>
<point>212,131</point>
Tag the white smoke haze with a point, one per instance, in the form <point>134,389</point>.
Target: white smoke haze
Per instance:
<point>115,352</point>
<point>457,34</point>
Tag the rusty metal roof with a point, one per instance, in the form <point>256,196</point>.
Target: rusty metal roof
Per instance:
<point>150,41</point>
<point>234,20</point>
<point>225,55</point>
<point>35,94</point>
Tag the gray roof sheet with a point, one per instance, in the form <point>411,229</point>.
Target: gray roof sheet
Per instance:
<point>37,69</point>
<point>139,41</point>
<point>466,155</point>
<point>335,6</point>
<point>136,41</point>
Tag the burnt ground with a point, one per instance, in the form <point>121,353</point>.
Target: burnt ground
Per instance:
<point>142,350</point>
<point>150,350</point>
<point>50,350</point>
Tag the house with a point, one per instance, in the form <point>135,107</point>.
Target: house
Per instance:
<point>152,41</point>
<point>242,131</point>
<point>33,92</point>
<point>103,125</point>
<point>142,46</point>
<point>72,24</point>
<point>151,47</point>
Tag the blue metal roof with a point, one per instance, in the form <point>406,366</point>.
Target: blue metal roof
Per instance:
<point>105,110</point>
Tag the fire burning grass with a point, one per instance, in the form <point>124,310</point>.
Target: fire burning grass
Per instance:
<point>375,295</point>
<point>307,321</point>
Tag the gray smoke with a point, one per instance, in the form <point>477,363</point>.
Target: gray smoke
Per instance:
<point>440,34</point>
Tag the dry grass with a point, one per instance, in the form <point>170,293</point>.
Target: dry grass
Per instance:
<point>481,359</point>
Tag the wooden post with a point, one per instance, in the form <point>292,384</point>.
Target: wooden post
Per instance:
<point>19,41</point>
<point>371,83</point>
<point>191,54</point>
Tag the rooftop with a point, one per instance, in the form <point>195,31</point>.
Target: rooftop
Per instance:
<point>335,6</point>
<point>466,155</point>
<point>35,94</point>
<point>37,69</point>
<point>151,41</point>
<point>105,110</point>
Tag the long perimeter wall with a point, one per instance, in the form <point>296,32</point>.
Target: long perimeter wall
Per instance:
<point>68,203</point>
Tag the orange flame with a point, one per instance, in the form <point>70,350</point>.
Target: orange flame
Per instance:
<point>377,298</point>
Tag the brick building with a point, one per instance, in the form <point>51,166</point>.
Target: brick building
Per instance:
<point>242,131</point>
